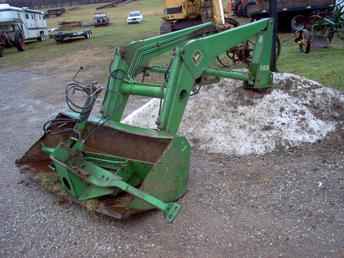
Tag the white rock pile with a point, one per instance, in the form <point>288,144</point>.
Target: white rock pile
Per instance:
<point>224,118</point>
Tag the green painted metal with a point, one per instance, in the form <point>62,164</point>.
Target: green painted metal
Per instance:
<point>154,91</point>
<point>103,158</point>
<point>225,74</point>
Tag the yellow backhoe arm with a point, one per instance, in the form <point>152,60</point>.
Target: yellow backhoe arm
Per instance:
<point>218,12</point>
<point>181,14</point>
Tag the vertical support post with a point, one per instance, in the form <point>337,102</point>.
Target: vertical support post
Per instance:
<point>114,101</point>
<point>274,16</point>
<point>259,68</point>
<point>178,88</point>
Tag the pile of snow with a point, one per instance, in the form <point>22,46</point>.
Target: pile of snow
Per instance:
<point>224,118</point>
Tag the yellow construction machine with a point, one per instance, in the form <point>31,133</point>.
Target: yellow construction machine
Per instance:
<point>180,14</point>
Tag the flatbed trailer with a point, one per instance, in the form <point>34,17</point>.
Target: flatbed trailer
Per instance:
<point>64,35</point>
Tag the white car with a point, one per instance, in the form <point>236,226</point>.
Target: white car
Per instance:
<point>135,17</point>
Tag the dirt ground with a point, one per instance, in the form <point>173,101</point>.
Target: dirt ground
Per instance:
<point>281,204</point>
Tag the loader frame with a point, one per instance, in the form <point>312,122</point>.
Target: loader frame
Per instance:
<point>129,169</point>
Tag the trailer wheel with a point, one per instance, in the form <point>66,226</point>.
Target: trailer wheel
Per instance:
<point>41,36</point>
<point>59,40</point>
<point>87,35</point>
<point>19,41</point>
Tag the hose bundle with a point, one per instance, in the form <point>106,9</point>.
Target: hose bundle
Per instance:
<point>89,91</point>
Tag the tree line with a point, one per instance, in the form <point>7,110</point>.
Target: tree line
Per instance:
<point>38,4</point>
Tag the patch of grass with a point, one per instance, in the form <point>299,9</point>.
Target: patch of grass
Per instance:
<point>106,38</point>
<point>323,65</point>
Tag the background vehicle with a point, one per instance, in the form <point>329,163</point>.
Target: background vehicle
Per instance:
<point>318,32</point>
<point>11,35</point>
<point>70,30</point>
<point>2,43</point>
<point>180,14</point>
<point>239,7</point>
<point>32,22</point>
<point>135,17</point>
<point>101,19</point>
<point>287,9</point>
<point>55,12</point>
<point>64,35</point>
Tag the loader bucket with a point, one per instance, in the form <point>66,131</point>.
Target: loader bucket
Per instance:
<point>153,167</point>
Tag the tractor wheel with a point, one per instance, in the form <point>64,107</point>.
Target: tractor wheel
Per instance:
<point>19,41</point>
<point>242,54</point>
<point>165,27</point>
<point>298,23</point>
<point>240,10</point>
<point>250,9</point>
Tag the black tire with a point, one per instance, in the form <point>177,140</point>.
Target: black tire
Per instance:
<point>235,7</point>
<point>297,23</point>
<point>87,35</point>
<point>41,36</point>
<point>240,10</point>
<point>308,42</point>
<point>59,40</point>
<point>165,27</point>
<point>249,9</point>
<point>1,51</point>
<point>278,47</point>
<point>19,41</point>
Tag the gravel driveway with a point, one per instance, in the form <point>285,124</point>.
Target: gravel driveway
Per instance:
<point>282,204</point>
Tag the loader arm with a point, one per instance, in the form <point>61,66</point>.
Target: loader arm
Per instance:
<point>122,169</point>
<point>193,58</point>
